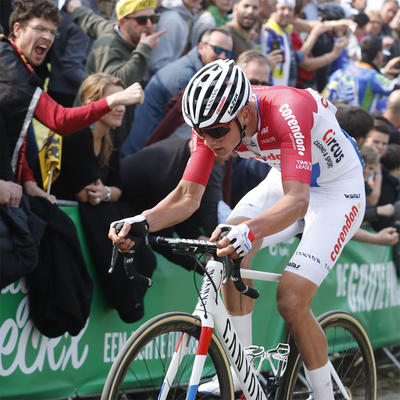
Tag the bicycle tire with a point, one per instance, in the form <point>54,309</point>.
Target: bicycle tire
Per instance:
<point>351,354</point>
<point>142,378</point>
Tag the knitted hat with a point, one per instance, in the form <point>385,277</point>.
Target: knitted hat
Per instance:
<point>126,7</point>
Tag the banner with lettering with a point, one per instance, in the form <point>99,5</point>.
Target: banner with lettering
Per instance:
<point>33,366</point>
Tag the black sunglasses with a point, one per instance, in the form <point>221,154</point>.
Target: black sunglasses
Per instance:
<point>255,82</point>
<point>218,50</point>
<point>142,19</point>
<point>217,132</point>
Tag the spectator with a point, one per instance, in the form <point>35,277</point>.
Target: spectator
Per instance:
<point>354,49</point>
<point>214,15</point>
<point>245,12</point>
<point>122,48</point>
<point>361,83</point>
<point>90,174</point>
<point>355,121</point>
<point>151,173</point>
<point>392,115</point>
<point>375,23</point>
<point>371,164</point>
<point>29,42</point>
<point>388,11</point>
<point>378,139</point>
<point>178,23</point>
<point>390,162</point>
<point>68,58</point>
<point>166,83</point>
<point>279,27</point>
<point>359,5</point>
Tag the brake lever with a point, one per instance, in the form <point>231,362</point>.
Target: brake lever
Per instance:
<point>115,249</point>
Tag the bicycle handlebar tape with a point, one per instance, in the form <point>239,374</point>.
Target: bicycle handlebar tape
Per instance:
<point>239,284</point>
<point>131,271</point>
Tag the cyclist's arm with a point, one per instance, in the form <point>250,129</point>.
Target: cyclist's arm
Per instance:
<point>179,205</point>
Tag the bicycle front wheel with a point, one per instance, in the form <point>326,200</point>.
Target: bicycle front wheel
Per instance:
<point>141,366</point>
<point>351,354</point>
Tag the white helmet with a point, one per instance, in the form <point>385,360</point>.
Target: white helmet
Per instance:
<point>215,94</point>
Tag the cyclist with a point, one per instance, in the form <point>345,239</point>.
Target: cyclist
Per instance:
<point>315,188</point>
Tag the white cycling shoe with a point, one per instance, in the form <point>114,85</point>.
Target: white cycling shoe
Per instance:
<point>212,387</point>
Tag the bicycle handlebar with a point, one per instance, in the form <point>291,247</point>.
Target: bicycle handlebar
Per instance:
<point>181,246</point>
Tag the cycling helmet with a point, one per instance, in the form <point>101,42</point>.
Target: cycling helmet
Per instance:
<point>215,95</point>
<point>330,11</point>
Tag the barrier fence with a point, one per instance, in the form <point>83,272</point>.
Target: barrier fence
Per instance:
<point>33,366</point>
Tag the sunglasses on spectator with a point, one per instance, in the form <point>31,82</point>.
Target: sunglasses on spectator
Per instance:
<point>216,132</point>
<point>43,29</point>
<point>218,50</point>
<point>142,19</point>
<point>255,82</point>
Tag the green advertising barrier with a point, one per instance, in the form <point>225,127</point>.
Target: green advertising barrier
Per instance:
<point>33,366</point>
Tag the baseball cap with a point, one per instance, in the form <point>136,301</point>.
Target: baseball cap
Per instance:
<point>126,7</point>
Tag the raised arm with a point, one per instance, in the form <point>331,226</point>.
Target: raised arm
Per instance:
<point>91,23</point>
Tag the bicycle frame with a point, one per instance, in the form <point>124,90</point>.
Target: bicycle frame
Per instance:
<point>212,312</point>
<point>214,316</point>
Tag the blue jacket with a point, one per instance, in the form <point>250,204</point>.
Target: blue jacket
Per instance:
<point>164,85</point>
<point>359,84</point>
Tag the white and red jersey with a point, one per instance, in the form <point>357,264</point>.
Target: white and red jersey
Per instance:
<point>297,133</point>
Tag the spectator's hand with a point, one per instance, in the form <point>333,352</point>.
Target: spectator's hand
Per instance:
<point>339,45</point>
<point>10,193</point>
<point>97,192</point>
<point>275,57</point>
<point>340,26</point>
<point>393,66</point>
<point>387,42</point>
<point>72,5</point>
<point>151,39</point>
<point>385,211</point>
<point>33,189</point>
<point>387,236</point>
<point>133,94</point>
<point>318,29</point>
<point>16,194</point>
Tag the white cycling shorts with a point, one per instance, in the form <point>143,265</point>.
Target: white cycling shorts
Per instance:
<point>334,214</point>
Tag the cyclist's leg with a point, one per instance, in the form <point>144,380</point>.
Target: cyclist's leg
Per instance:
<point>330,222</point>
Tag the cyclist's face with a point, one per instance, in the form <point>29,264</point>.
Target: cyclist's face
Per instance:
<point>34,43</point>
<point>224,146</point>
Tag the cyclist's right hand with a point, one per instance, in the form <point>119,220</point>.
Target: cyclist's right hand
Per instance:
<point>135,226</point>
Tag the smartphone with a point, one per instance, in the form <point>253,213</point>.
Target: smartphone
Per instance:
<point>275,44</point>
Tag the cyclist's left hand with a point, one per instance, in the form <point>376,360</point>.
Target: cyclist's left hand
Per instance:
<point>237,242</point>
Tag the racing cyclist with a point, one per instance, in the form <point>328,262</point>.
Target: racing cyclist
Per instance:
<point>315,188</point>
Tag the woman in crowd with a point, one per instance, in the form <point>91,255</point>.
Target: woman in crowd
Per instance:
<point>90,174</point>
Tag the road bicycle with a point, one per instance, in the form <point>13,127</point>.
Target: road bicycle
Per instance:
<point>170,355</point>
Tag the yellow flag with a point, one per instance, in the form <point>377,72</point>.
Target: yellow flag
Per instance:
<point>50,159</point>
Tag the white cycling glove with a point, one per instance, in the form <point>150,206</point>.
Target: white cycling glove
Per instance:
<point>240,236</point>
<point>139,225</point>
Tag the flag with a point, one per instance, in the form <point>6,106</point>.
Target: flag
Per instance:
<point>50,160</point>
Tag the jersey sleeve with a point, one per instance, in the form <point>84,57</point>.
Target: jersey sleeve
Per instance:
<point>199,166</point>
<point>293,121</point>
<point>64,120</point>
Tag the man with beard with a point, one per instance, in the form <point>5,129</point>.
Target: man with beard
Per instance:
<point>122,48</point>
<point>245,13</point>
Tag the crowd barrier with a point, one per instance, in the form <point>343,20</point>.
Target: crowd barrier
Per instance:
<point>33,366</point>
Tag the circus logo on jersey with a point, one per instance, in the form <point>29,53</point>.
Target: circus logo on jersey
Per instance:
<point>333,145</point>
<point>294,126</point>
